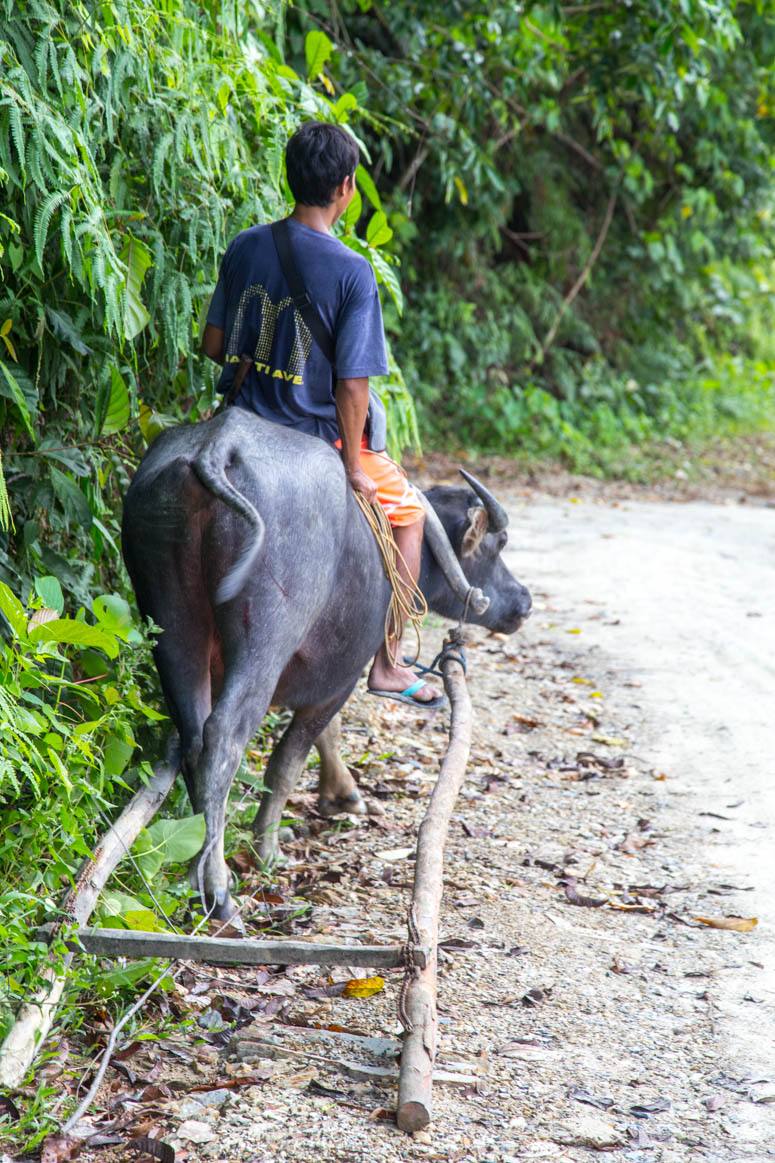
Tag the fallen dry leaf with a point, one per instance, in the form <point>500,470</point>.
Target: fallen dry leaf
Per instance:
<point>363,986</point>
<point>156,1148</point>
<point>632,844</point>
<point>392,854</point>
<point>58,1148</point>
<point>738,924</point>
<point>636,907</point>
<point>574,897</point>
<point>9,1106</point>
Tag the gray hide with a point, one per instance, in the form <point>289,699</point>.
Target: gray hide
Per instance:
<point>245,544</point>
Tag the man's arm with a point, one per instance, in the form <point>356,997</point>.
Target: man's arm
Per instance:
<point>352,404</point>
<point>212,342</point>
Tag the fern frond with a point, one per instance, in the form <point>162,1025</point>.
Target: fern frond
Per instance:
<point>54,58</point>
<point>159,158</point>
<point>17,133</point>
<point>36,158</point>
<point>181,138</point>
<point>116,183</point>
<point>41,61</point>
<point>66,229</point>
<point>43,220</point>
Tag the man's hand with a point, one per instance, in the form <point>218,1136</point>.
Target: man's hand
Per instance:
<point>362,484</point>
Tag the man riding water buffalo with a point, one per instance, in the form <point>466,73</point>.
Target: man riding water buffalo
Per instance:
<point>286,377</point>
<point>247,548</point>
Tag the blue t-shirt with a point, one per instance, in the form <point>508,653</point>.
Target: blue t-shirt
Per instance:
<point>291,381</point>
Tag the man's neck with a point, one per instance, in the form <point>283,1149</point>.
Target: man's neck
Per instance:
<point>320,218</point>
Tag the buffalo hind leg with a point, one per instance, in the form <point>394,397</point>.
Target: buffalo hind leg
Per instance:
<point>337,790</point>
<point>285,765</point>
<point>226,734</point>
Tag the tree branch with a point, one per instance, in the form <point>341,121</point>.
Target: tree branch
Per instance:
<point>573,292</point>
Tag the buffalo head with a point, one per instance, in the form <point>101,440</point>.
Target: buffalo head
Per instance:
<point>475,525</point>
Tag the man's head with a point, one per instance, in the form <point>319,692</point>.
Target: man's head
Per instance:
<point>318,159</point>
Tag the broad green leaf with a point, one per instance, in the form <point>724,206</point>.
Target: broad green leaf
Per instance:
<point>14,611</point>
<point>353,212</point>
<point>167,842</point>
<point>317,49</point>
<point>135,701</point>
<point>152,423</point>
<point>178,840</point>
<point>366,186</point>
<point>50,591</point>
<point>72,458</point>
<point>223,94</point>
<point>97,524</point>
<point>386,273</point>
<point>5,333</point>
<point>64,328</point>
<point>113,613</point>
<point>18,398</point>
<point>116,755</point>
<point>378,232</point>
<point>143,921</point>
<point>345,105</point>
<point>59,768</point>
<point>137,259</point>
<point>117,412</point>
<point>73,501</point>
<point>71,633</point>
<point>113,907</point>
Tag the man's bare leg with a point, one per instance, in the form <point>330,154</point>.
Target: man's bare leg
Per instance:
<point>383,676</point>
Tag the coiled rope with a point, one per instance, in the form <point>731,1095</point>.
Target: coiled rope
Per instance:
<point>407,602</point>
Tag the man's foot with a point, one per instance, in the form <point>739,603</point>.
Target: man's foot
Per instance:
<point>401,683</point>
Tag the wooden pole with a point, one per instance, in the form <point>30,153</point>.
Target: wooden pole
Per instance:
<point>34,1019</point>
<point>419,1000</point>
<point>231,951</point>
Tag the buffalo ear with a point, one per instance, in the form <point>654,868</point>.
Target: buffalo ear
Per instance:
<point>475,530</point>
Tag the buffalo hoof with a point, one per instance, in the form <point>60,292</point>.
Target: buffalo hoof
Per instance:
<point>216,903</point>
<point>352,804</point>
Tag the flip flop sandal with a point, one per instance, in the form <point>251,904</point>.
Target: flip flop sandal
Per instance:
<point>406,696</point>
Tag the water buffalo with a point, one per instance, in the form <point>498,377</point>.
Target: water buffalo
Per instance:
<point>244,542</point>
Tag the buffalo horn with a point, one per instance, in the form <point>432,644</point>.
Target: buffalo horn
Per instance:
<point>497,516</point>
<point>448,563</point>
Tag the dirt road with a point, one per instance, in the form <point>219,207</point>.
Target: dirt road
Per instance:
<point>686,592</point>
<point>620,787</point>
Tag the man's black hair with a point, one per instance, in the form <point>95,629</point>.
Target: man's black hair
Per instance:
<point>318,158</point>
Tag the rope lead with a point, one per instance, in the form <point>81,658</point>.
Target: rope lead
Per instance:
<point>407,602</point>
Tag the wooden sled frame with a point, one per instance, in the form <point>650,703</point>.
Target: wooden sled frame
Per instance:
<point>417,1000</point>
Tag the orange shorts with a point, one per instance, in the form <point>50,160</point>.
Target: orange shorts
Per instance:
<point>397,497</point>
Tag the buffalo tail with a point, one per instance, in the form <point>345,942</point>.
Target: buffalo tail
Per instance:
<point>209,468</point>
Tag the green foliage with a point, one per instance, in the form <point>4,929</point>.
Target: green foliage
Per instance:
<point>72,708</point>
<point>508,132</point>
<point>135,141</point>
<point>466,362</point>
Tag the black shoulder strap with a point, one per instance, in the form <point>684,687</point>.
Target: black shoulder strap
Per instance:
<point>301,300</point>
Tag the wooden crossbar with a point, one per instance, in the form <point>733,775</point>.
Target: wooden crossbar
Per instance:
<point>234,951</point>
